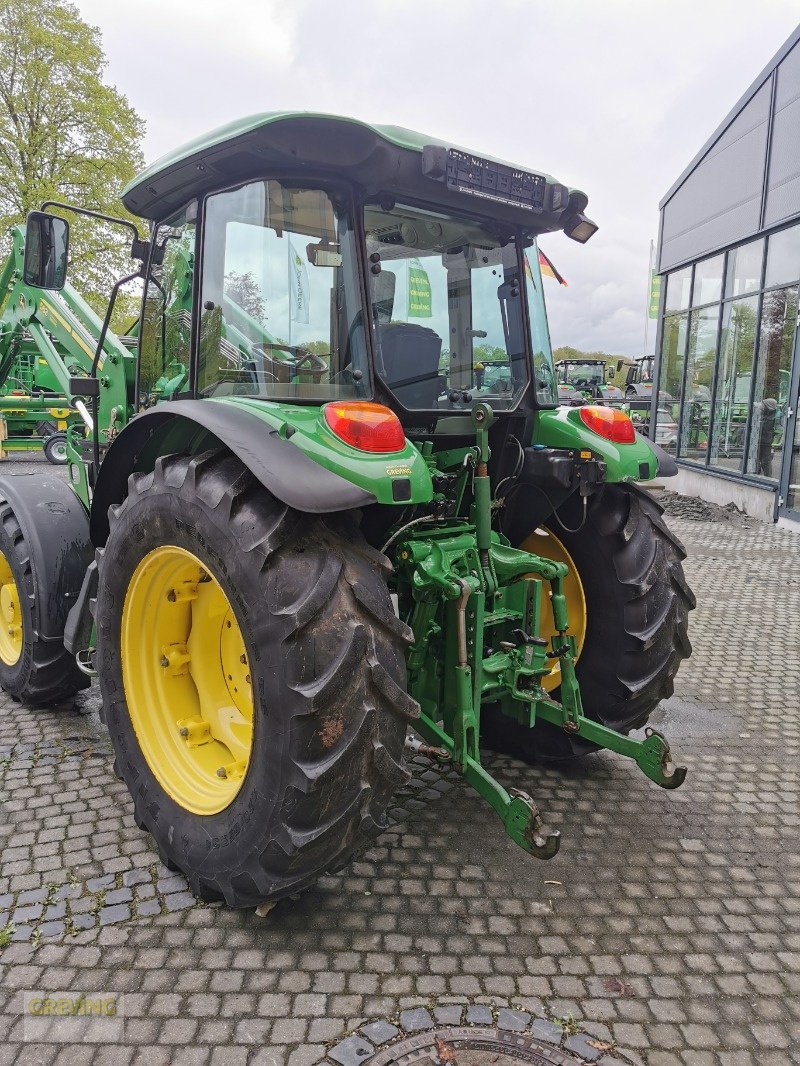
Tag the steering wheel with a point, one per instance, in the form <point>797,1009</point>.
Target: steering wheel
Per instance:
<point>294,358</point>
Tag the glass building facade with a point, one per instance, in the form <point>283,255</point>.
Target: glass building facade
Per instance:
<point>728,357</point>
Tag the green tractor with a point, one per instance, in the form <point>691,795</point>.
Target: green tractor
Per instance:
<point>292,548</point>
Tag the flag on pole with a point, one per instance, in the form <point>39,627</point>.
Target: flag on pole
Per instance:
<point>420,300</point>
<point>547,268</point>
<point>298,286</point>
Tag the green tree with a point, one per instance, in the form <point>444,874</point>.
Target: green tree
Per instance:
<point>64,134</point>
<point>245,291</point>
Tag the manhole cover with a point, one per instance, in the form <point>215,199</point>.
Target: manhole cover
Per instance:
<point>471,1047</point>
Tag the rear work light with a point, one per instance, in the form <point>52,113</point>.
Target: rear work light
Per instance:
<point>370,427</point>
<point>609,423</point>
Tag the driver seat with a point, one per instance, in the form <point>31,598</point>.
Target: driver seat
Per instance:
<point>411,363</point>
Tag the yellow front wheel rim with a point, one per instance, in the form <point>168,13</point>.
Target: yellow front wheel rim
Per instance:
<point>545,543</point>
<point>10,615</point>
<point>187,680</point>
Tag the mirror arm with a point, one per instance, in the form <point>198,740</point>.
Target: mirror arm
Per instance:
<point>96,362</point>
<point>139,248</point>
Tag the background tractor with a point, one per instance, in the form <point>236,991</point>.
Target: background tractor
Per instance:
<point>306,526</point>
<point>580,380</point>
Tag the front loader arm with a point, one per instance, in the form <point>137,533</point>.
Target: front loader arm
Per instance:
<point>65,331</point>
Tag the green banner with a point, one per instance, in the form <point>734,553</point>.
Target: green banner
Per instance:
<point>420,302</point>
<point>655,295</point>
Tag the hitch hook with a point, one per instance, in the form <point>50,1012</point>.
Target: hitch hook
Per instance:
<point>524,825</point>
<point>655,761</point>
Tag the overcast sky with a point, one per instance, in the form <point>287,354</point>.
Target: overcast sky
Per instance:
<point>611,96</point>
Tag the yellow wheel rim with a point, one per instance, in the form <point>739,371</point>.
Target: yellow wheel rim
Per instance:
<point>10,615</point>
<point>543,542</point>
<point>187,680</point>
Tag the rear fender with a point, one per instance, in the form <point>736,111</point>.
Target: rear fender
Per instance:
<point>55,526</point>
<point>640,461</point>
<point>195,425</point>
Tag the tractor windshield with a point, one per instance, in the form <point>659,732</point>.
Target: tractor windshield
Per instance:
<point>448,311</point>
<point>583,375</point>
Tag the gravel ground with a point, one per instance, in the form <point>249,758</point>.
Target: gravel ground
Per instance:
<point>666,931</point>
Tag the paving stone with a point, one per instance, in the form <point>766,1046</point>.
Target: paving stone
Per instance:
<point>28,914</point>
<point>351,1052</point>
<point>542,1029</point>
<point>147,907</point>
<point>579,1045</point>
<point>50,929</point>
<point>119,913</point>
<point>448,1015</point>
<point>514,1020</point>
<point>83,921</point>
<point>379,1032</point>
<point>118,895</point>
<point>97,884</point>
<point>413,1021</point>
<point>478,1015</point>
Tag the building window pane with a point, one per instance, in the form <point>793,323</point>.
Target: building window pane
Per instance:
<point>679,284</point>
<point>700,361</point>
<point>708,281</point>
<point>673,352</point>
<point>783,257</point>
<point>793,492</point>
<point>773,372</point>
<point>744,269</point>
<point>734,374</point>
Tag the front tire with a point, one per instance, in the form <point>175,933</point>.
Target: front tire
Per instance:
<point>55,449</point>
<point>325,666</point>
<point>634,634</point>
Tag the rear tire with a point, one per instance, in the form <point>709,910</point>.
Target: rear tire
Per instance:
<point>327,658</point>
<point>637,606</point>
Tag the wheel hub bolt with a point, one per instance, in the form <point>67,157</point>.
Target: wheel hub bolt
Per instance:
<point>222,772</point>
<point>164,661</point>
<point>184,731</point>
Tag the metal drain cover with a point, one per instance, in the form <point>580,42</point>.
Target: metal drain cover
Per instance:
<point>466,1046</point>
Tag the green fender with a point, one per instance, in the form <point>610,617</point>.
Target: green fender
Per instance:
<point>640,461</point>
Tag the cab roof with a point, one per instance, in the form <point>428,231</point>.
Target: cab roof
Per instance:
<point>288,143</point>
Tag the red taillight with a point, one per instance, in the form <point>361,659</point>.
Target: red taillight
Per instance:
<point>609,423</point>
<point>370,427</point>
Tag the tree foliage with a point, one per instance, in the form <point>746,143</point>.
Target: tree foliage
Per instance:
<point>567,352</point>
<point>243,289</point>
<point>64,134</point>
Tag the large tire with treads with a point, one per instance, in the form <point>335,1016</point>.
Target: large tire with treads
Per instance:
<point>44,552</point>
<point>327,657</point>
<point>637,606</point>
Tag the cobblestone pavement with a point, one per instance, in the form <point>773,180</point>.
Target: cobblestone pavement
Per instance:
<point>666,931</point>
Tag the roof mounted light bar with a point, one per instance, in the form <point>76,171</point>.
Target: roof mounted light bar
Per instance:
<point>487,179</point>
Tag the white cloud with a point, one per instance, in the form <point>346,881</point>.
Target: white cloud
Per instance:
<point>614,98</point>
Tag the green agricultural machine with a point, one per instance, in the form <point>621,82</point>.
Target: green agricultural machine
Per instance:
<point>39,353</point>
<point>292,547</point>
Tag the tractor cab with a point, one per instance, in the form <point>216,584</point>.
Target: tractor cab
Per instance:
<point>318,259</point>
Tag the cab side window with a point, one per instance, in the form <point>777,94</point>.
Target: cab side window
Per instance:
<point>165,348</point>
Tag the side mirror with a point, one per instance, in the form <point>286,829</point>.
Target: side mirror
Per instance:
<point>46,248</point>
